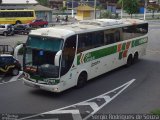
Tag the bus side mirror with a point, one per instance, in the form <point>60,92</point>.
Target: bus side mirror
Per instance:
<point>16,50</point>
<point>57,58</point>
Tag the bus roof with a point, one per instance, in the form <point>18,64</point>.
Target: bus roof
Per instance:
<point>85,26</point>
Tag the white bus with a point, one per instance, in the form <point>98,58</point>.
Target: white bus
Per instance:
<point>61,57</point>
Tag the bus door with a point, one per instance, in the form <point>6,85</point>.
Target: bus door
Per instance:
<point>68,54</point>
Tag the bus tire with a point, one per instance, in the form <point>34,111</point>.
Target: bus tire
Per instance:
<point>82,79</point>
<point>129,60</point>
<point>18,22</point>
<point>136,57</point>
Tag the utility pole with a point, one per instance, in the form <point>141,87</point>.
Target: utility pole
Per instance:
<point>72,10</point>
<point>145,6</point>
<point>95,5</point>
<point>122,10</point>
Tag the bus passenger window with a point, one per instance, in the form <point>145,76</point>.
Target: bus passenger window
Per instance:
<point>117,36</point>
<point>109,39</point>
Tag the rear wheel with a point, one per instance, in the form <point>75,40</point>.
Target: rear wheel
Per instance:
<point>82,79</point>
<point>135,59</point>
<point>15,72</point>
<point>129,61</point>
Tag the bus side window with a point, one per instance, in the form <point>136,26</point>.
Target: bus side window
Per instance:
<point>109,39</point>
<point>117,36</point>
<point>84,42</point>
<point>98,39</point>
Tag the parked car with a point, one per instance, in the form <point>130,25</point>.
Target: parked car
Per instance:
<point>38,23</point>
<point>9,65</point>
<point>6,29</point>
<point>22,29</point>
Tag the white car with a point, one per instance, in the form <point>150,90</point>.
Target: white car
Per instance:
<point>6,29</point>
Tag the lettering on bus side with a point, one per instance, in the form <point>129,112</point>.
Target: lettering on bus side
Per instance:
<point>95,63</point>
<point>139,42</point>
<point>88,57</point>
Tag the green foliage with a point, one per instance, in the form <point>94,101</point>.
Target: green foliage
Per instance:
<point>130,6</point>
<point>43,2</point>
<point>0,1</point>
<point>63,9</point>
<point>156,112</point>
<point>106,14</point>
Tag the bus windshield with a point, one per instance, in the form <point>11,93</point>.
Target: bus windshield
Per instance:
<point>40,53</point>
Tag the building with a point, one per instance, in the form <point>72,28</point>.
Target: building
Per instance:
<point>55,4</point>
<point>42,12</point>
<point>19,2</point>
<point>84,12</point>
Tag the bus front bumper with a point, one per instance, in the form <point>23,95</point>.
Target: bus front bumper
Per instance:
<point>52,88</point>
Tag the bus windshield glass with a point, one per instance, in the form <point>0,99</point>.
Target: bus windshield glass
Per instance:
<point>40,53</point>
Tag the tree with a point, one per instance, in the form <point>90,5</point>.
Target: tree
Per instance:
<point>130,6</point>
<point>100,7</point>
<point>43,2</point>
<point>0,1</point>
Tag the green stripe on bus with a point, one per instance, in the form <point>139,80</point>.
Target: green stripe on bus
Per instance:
<point>108,51</point>
<point>139,42</point>
<point>97,54</point>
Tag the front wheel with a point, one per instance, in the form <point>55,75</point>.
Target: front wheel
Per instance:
<point>15,72</point>
<point>82,79</point>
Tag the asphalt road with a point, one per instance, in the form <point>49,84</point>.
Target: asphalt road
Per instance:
<point>142,96</point>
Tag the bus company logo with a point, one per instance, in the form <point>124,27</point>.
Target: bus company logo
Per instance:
<point>85,58</point>
<point>88,57</point>
<point>141,41</point>
<point>123,49</point>
<point>81,60</point>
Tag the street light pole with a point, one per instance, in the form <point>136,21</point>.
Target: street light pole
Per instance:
<point>72,10</point>
<point>122,10</point>
<point>95,4</point>
<point>145,6</point>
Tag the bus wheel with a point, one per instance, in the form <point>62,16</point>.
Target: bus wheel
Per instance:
<point>129,61</point>
<point>135,59</point>
<point>82,79</point>
<point>18,22</point>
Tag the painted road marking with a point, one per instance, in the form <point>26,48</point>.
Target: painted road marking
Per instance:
<point>82,110</point>
<point>15,78</point>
